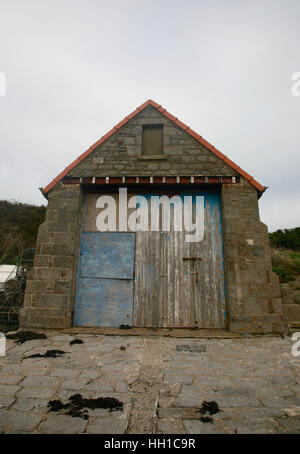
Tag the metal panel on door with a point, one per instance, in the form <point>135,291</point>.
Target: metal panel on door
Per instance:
<point>105,282</point>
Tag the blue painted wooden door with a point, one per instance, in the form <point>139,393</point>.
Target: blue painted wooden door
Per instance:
<point>105,282</point>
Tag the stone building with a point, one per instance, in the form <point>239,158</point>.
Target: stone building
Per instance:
<point>88,275</point>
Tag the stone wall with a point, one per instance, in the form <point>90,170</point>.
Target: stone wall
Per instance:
<point>50,289</point>
<point>253,292</point>
<point>121,154</point>
<point>290,294</point>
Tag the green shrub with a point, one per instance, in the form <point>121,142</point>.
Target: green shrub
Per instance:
<point>286,264</point>
<point>284,275</point>
<point>19,223</point>
<point>295,256</point>
<point>286,238</point>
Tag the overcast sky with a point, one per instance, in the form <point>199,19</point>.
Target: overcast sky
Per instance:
<point>75,68</point>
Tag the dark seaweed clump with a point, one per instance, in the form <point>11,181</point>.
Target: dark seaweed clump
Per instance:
<point>23,336</point>
<point>48,354</point>
<point>125,327</point>
<point>208,407</point>
<point>76,341</point>
<point>206,419</point>
<point>77,405</point>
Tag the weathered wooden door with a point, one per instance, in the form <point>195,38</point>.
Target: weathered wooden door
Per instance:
<point>180,283</point>
<point>105,282</point>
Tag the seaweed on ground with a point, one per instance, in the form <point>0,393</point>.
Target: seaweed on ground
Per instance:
<point>206,419</point>
<point>209,407</point>
<point>77,405</point>
<point>125,327</point>
<point>76,341</point>
<point>48,354</point>
<point>23,336</point>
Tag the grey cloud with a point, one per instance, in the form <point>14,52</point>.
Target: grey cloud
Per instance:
<point>75,68</point>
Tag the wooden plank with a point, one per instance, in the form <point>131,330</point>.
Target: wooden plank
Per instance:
<point>146,332</point>
<point>172,292</point>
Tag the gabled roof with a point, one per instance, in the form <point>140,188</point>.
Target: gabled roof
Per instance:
<point>175,120</point>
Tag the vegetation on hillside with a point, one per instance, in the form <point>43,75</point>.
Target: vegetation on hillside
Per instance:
<point>286,253</point>
<point>19,223</point>
<point>286,238</point>
<point>286,264</point>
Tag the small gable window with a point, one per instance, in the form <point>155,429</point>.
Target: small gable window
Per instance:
<point>152,142</point>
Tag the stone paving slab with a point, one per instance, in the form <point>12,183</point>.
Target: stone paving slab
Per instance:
<point>107,425</point>
<point>255,382</point>
<point>169,426</point>
<point>198,427</point>
<point>61,424</point>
